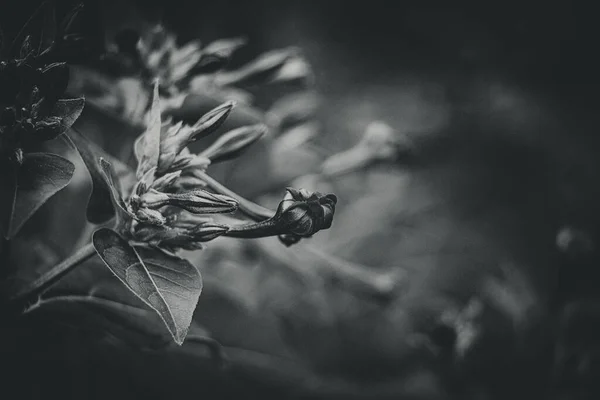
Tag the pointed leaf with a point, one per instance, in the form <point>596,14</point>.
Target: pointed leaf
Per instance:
<point>68,110</point>
<point>40,177</point>
<point>151,138</point>
<point>110,179</point>
<point>100,204</point>
<point>169,285</point>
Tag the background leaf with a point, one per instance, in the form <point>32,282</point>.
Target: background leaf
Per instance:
<point>169,285</point>
<point>40,177</point>
<point>69,110</point>
<point>100,208</point>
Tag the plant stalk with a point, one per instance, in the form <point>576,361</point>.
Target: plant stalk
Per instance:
<point>44,282</point>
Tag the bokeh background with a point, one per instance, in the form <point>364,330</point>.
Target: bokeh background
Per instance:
<point>505,96</point>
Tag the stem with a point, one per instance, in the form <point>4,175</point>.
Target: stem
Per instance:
<point>254,230</point>
<point>44,282</point>
<point>253,210</point>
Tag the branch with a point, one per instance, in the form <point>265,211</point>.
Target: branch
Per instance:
<point>44,282</point>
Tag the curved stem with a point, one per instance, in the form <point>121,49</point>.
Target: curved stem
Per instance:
<point>41,284</point>
<point>253,210</point>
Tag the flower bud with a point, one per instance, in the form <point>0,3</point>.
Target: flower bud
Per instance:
<point>305,213</point>
<point>234,142</point>
<point>202,202</point>
<point>166,181</point>
<point>150,216</point>
<point>300,214</point>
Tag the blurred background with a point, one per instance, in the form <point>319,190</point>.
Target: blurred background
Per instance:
<point>461,141</point>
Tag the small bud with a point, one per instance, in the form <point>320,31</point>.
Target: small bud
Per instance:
<point>152,199</point>
<point>166,181</point>
<point>216,55</point>
<point>178,218</point>
<point>150,216</point>
<point>207,232</point>
<point>202,202</point>
<point>234,142</point>
<point>212,120</point>
<point>262,69</point>
<point>174,139</point>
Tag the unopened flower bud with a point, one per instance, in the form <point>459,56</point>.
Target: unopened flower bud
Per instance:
<point>300,214</point>
<point>234,142</point>
<point>166,181</point>
<point>177,137</point>
<point>202,202</point>
<point>150,216</point>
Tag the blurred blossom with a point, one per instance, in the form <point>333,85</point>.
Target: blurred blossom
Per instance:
<point>380,143</point>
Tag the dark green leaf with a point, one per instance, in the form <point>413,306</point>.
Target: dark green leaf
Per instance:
<point>68,110</point>
<point>100,206</point>
<point>169,285</point>
<point>40,177</point>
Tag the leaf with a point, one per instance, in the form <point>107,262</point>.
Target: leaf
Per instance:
<point>68,110</point>
<point>169,285</point>
<point>100,204</point>
<point>112,182</point>
<point>40,177</point>
<point>151,141</point>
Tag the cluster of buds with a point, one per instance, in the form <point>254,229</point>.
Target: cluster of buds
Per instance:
<point>171,205</point>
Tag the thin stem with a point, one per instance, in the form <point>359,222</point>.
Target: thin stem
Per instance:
<point>253,210</point>
<point>254,230</point>
<point>38,286</point>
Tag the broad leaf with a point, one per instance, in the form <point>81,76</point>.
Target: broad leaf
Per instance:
<point>69,110</point>
<point>151,138</point>
<point>169,285</point>
<point>100,206</point>
<point>40,177</point>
